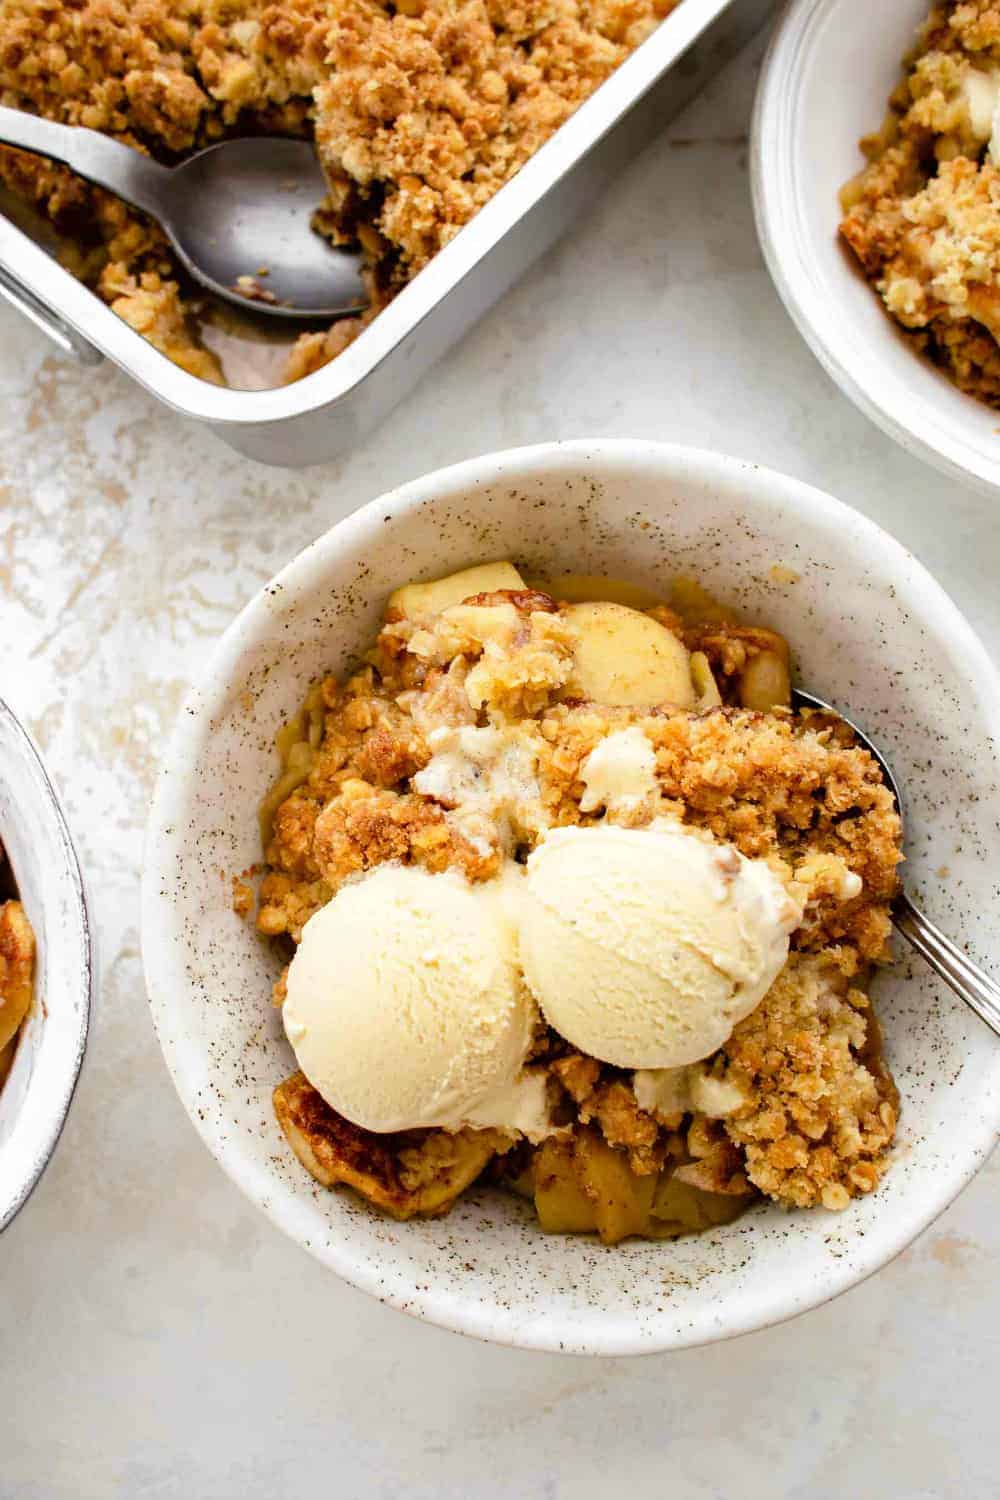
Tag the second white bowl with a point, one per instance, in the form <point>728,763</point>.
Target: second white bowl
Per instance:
<point>870,631</point>
<point>825,83</point>
<point>35,1098</point>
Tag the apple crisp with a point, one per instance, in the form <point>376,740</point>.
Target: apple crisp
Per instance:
<point>923,217</point>
<point>476,726</point>
<point>17,974</point>
<point>420,110</point>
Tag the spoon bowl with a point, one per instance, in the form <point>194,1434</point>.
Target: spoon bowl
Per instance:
<point>239,216</point>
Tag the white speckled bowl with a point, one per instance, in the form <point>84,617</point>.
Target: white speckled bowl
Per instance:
<point>870,629</point>
<point>826,83</point>
<point>35,1099</point>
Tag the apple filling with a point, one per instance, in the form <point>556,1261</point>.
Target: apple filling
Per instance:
<point>494,711</point>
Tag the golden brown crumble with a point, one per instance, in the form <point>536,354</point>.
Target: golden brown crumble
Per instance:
<point>818,1119</point>
<point>421,111</point>
<point>433,105</point>
<point>17,972</point>
<point>244,899</point>
<point>923,218</point>
<point>816,1107</point>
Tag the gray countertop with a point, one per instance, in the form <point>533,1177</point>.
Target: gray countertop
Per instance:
<point>159,1338</point>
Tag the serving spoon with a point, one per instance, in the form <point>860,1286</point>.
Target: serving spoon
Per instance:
<point>237,214</point>
<point>968,981</point>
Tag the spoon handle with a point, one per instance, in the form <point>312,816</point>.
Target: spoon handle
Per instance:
<point>125,172</point>
<point>969,982</point>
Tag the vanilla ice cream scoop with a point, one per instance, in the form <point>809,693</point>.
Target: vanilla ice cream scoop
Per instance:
<point>405,1006</point>
<point>645,946</point>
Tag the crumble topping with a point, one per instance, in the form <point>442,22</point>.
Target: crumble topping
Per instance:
<point>820,1112</point>
<point>433,105</point>
<point>17,973</point>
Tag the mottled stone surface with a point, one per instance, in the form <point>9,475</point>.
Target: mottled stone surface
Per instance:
<point>158,1337</point>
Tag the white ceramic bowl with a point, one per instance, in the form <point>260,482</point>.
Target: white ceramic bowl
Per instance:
<point>870,629</point>
<point>825,83</point>
<point>35,1099</point>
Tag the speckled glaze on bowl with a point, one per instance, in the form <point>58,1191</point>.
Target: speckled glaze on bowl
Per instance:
<point>36,1097</point>
<point>825,83</point>
<point>870,630</point>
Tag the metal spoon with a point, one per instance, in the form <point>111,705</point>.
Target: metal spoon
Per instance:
<point>237,214</point>
<point>966,979</point>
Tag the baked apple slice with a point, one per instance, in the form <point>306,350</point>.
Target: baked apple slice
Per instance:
<point>420,601</point>
<point>624,658</point>
<point>414,1173</point>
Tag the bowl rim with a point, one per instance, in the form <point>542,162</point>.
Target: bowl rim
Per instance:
<point>775,215</point>
<point>439,1305</point>
<point>68,1060</point>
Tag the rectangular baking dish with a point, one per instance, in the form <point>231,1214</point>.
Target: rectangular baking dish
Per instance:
<point>328,412</point>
